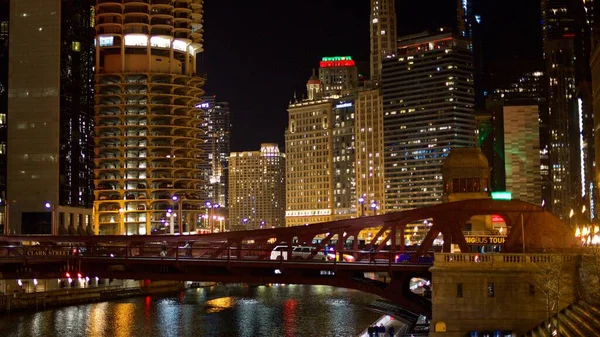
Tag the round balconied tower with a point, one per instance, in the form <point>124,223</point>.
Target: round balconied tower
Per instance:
<point>147,121</point>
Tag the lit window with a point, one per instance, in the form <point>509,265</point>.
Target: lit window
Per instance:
<point>76,46</point>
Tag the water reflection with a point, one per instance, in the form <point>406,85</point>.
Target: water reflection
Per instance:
<point>291,311</point>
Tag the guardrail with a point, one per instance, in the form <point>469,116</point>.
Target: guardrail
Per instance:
<point>497,260</point>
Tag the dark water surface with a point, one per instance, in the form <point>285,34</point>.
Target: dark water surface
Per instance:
<point>234,310</point>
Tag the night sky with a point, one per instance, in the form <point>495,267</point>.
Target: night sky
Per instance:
<point>258,53</point>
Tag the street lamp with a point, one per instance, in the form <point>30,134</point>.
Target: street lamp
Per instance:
<point>179,202</point>
<point>54,228</point>
<point>361,201</point>
<point>171,217</point>
<point>374,207</point>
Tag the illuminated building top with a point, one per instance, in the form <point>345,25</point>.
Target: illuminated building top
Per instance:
<point>337,61</point>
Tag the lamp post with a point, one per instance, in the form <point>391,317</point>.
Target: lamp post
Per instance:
<point>179,202</point>
<point>6,218</point>
<point>361,201</point>
<point>374,207</point>
<point>54,228</point>
<point>171,216</point>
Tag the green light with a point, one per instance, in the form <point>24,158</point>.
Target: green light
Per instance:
<point>501,195</point>
<point>336,58</point>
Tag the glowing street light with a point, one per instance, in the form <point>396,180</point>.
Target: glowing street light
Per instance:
<point>361,201</point>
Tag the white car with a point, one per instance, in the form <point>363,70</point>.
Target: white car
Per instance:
<point>304,253</point>
<point>280,253</point>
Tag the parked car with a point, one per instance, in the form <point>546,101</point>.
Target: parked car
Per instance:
<point>141,207</point>
<point>165,185</point>
<point>141,186</point>
<point>103,197</point>
<point>129,196</point>
<point>141,196</point>
<point>115,197</point>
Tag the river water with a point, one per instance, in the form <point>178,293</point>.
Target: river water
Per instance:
<point>233,310</point>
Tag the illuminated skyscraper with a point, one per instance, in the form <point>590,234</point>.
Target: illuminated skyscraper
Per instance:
<point>567,36</point>
<point>216,149</point>
<point>50,124</point>
<point>148,116</point>
<point>428,106</point>
<point>320,167</point>
<point>369,150</point>
<point>257,192</point>
<point>383,34</point>
<point>338,76</point>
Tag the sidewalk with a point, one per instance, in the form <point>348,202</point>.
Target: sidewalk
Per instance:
<point>387,321</point>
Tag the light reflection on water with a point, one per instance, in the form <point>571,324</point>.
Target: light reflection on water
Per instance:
<point>291,311</point>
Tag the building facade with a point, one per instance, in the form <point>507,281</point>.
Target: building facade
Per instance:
<point>147,135</point>
<point>50,127</point>
<point>257,192</point>
<point>321,158</point>
<point>566,32</point>
<point>522,152</point>
<point>428,107</point>
<point>383,34</point>
<point>216,149</point>
<point>529,90</point>
<point>370,184</point>
<point>338,76</point>
<point>4,30</point>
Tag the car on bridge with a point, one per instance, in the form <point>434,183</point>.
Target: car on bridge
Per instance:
<point>280,252</point>
<point>306,253</point>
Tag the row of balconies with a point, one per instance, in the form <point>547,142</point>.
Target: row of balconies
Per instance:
<point>179,19</point>
<point>157,111</point>
<point>118,99</point>
<point>143,90</point>
<point>137,175</point>
<point>160,184</point>
<point>178,122</point>
<point>151,78</point>
<point>115,29</point>
<point>111,133</point>
<point>149,145</point>
<point>165,194</point>
<point>143,155</point>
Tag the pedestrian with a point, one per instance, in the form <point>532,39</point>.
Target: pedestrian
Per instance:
<point>372,253</point>
<point>163,249</point>
<point>370,331</point>
<point>381,330</point>
<point>391,331</point>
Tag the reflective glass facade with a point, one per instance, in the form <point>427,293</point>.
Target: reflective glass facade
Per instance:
<point>428,105</point>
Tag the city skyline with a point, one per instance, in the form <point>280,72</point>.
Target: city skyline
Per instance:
<point>259,85</point>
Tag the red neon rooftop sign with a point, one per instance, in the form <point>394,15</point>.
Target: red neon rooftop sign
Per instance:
<point>337,61</point>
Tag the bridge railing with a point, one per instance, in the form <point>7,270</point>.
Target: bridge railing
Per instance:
<point>204,252</point>
<point>496,260</point>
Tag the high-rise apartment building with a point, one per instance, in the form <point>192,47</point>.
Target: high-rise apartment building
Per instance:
<point>529,90</point>
<point>522,152</point>
<point>383,34</point>
<point>216,149</point>
<point>257,192</point>
<point>470,27</point>
<point>428,106</point>
<point>566,35</point>
<point>50,124</point>
<point>148,139</point>
<point>320,162</point>
<point>4,25</point>
<point>370,185</point>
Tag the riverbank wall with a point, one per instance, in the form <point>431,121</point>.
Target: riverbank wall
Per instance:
<point>73,296</point>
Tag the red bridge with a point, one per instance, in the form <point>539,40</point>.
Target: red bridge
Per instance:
<point>247,256</point>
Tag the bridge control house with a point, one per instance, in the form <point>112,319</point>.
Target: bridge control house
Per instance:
<point>466,175</point>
